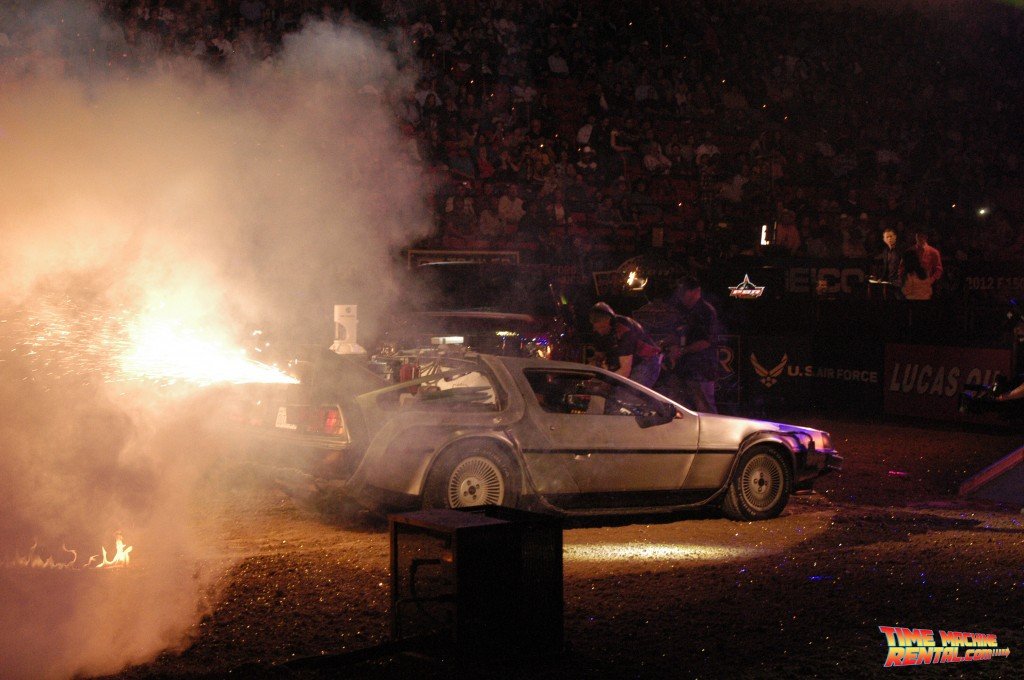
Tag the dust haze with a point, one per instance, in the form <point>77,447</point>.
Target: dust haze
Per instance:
<point>253,195</point>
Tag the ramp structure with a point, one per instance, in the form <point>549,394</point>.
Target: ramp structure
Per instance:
<point>1002,481</point>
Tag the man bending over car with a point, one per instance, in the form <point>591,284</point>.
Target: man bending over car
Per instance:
<point>623,346</point>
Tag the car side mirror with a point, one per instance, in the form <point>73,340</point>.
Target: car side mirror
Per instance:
<point>662,412</point>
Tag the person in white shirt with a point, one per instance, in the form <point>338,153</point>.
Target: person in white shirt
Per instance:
<point>510,206</point>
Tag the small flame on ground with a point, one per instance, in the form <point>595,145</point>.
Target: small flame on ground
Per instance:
<point>120,558</point>
<point>35,561</point>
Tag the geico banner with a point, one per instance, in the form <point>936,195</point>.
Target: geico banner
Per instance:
<point>828,279</point>
<point>927,381</point>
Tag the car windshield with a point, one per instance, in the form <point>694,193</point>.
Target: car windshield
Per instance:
<point>484,286</point>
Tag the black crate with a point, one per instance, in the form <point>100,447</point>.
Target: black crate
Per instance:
<point>483,579</point>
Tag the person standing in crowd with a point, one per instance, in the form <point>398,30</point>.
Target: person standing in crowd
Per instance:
<point>624,347</point>
<point>787,236</point>
<point>889,263</point>
<point>694,354</point>
<point>917,285</point>
<point>928,256</point>
<point>889,258</point>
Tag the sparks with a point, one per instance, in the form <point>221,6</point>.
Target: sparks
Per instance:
<point>65,340</point>
<point>163,351</point>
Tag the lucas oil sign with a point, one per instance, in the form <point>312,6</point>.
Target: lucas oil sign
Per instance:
<point>925,380</point>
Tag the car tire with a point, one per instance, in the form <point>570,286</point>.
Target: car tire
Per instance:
<point>472,475</point>
<point>760,486</point>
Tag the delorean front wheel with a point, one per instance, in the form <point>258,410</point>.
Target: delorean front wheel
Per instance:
<point>760,486</point>
<point>469,476</point>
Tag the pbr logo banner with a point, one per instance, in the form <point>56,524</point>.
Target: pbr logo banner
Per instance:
<point>927,381</point>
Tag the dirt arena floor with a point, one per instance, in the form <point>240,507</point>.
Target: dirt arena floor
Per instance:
<point>887,542</point>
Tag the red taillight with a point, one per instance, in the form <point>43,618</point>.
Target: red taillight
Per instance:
<point>311,419</point>
<point>331,419</point>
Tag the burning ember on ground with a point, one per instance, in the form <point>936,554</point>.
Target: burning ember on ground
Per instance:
<point>66,340</point>
<point>119,559</point>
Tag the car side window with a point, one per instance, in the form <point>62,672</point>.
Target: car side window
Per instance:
<point>586,393</point>
<point>469,391</point>
<point>554,390</point>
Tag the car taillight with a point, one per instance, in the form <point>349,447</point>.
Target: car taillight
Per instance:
<point>324,420</point>
<point>330,417</point>
<point>311,419</point>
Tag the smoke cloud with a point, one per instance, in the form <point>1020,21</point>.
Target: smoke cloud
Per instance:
<point>262,192</point>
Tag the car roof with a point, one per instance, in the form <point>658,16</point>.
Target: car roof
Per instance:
<point>519,363</point>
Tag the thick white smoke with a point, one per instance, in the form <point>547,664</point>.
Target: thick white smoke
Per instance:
<point>260,192</point>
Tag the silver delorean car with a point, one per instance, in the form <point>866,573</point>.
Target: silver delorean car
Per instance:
<point>455,429</point>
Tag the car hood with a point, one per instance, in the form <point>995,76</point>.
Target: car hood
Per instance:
<point>718,431</point>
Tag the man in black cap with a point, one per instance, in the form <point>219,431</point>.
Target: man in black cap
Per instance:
<point>624,345</point>
<point>694,357</point>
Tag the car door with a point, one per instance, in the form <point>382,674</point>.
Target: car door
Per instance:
<point>587,422</point>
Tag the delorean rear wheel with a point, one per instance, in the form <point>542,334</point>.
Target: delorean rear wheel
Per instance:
<point>471,475</point>
<point>760,486</point>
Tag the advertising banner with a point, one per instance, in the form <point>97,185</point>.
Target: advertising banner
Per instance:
<point>786,373</point>
<point>843,278</point>
<point>418,257</point>
<point>727,389</point>
<point>927,381</point>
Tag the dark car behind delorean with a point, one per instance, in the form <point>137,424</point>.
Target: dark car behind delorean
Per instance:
<point>498,308</point>
<point>467,429</point>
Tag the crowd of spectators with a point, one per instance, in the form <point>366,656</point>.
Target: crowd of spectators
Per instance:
<point>584,132</point>
<point>574,130</point>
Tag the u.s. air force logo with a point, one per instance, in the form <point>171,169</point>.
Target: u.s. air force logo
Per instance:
<point>769,376</point>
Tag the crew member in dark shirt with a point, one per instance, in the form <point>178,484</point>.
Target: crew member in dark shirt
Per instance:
<point>889,263</point>
<point>890,258</point>
<point>694,357</point>
<point>624,346</point>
